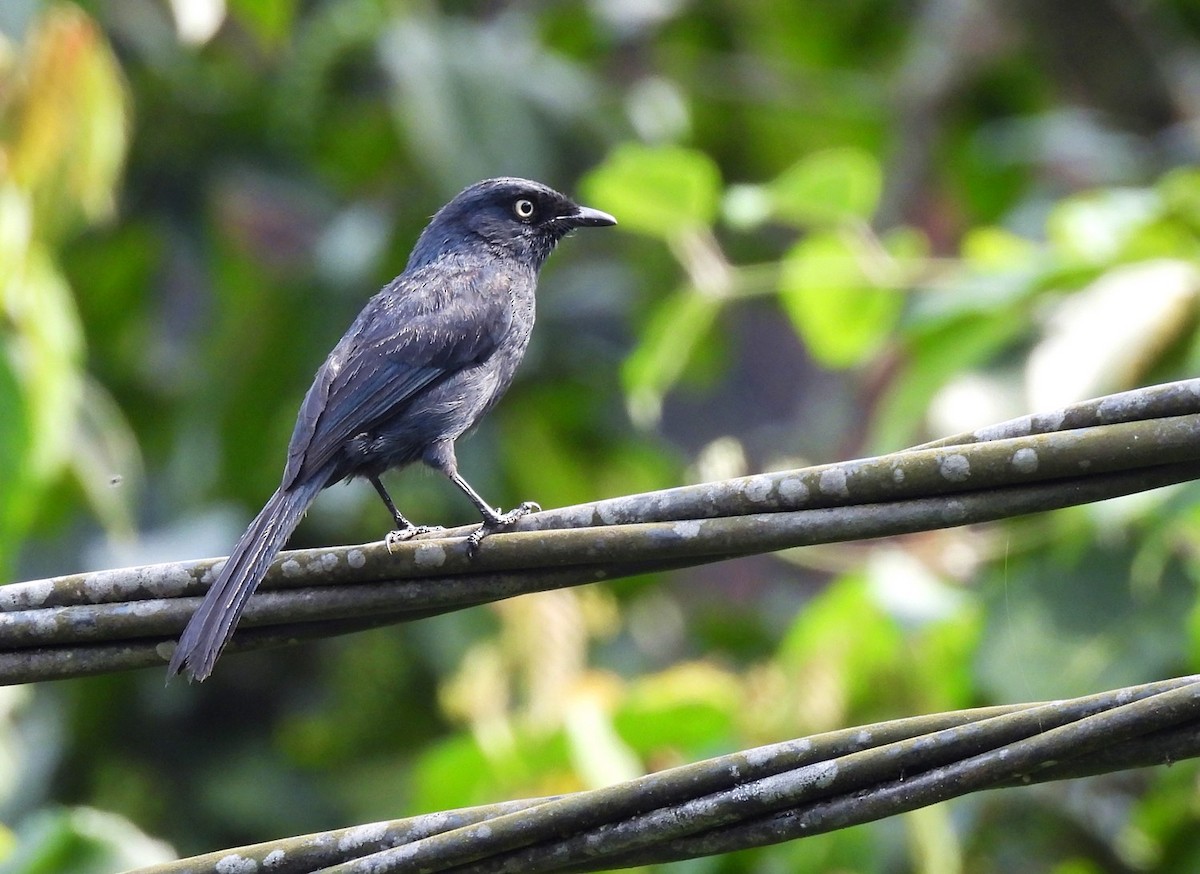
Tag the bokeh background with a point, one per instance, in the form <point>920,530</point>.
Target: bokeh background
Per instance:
<point>846,227</point>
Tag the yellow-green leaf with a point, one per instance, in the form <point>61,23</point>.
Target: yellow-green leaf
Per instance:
<point>993,248</point>
<point>829,186</point>
<point>679,323</point>
<point>840,313</point>
<point>660,191</point>
<point>71,130</point>
<point>1095,228</point>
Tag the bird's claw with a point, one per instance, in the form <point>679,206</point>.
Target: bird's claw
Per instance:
<point>500,522</point>
<point>525,509</point>
<point>400,535</point>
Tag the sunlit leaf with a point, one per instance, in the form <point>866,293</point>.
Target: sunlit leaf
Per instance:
<point>64,148</point>
<point>840,313</point>
<point>48,355</point>
<point>907,258</point>
<point>72,126</point>
<point>1096,227</point>
<point>659,191</point>
<point>457,771</point>
<point>680,322</point>
<point>688,706</point>
<point>451,773</point>
<point>829,186</point>
<point>16,497</point>
<point>993,248</point>
<point>1180,191</point>
<point>45,344</point>
<point>745,207</point>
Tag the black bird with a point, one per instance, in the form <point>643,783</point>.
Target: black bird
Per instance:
<point>424,360</point>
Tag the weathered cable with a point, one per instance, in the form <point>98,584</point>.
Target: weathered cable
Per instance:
<point>760,796</point>
<point>89,623</point>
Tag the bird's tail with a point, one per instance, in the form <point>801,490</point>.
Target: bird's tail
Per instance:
<point>212,624</point>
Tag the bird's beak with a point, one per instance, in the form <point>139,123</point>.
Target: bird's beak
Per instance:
<point>586,217</point>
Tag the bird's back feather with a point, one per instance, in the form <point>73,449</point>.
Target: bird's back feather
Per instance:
<point>425,327</point>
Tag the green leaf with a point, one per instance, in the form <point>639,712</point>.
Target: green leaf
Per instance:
<point>944,348</point>
<point>1180,191</point>
<point>540,458</point>
<point>907,258</point>
<point>450,774</point>
<point>842,316</point>
<point>660,191</point>
<point>993,248</point>
<point>1095,228</point>
<point>746,207</point>
<point>845,638</point>
<point>43,312</point>
<point>675,328</point>
<point>830,186</point>
<point>18,499</point>
<point>690,706</point>
<point>82,840</point>
<point>1048,623</point>
<point>270,22</point>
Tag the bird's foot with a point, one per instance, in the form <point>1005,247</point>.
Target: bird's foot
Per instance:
<point>499,522</point>
<point>400,535</point>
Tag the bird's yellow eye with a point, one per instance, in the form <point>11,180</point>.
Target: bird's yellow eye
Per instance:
<point>524,209</point>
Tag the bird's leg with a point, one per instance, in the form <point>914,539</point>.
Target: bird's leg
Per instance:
<point>402,524</point>
<point>404,530</point>
<point>441,457</point>
<point>493,521</point>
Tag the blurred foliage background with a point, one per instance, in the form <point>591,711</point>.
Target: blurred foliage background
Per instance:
<point>845,228</point>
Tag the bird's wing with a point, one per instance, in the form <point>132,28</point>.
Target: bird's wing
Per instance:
<point>419,331</point>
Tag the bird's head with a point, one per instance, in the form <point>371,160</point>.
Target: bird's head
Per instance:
<point>510,217</point>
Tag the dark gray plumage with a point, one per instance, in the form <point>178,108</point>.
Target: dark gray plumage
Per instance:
<point>427,356</point>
